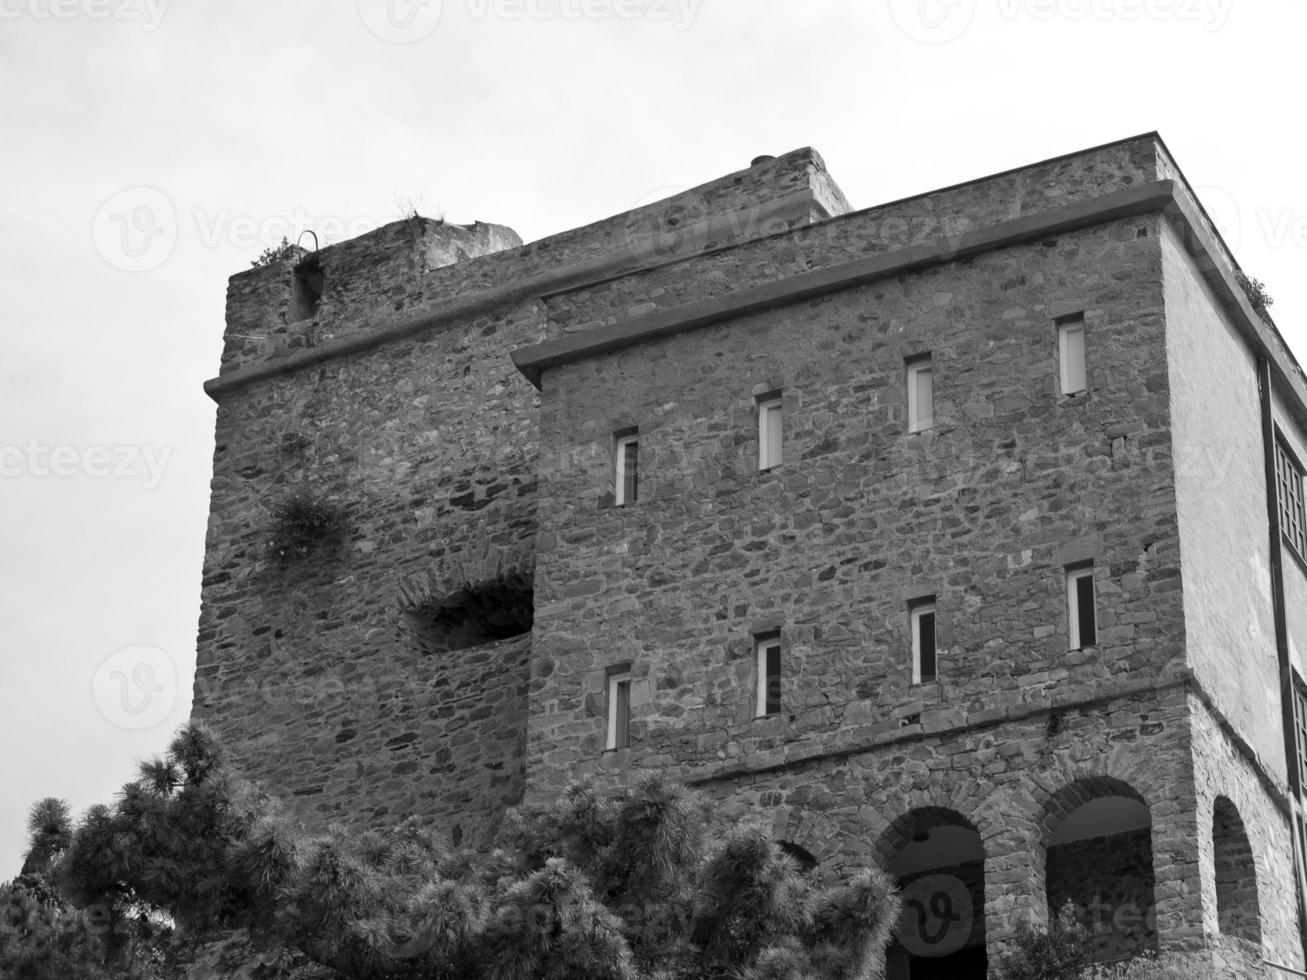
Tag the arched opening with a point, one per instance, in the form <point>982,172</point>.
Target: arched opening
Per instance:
<point>1099,857</point>
<point>939,860</point>
<point>1238,912</point>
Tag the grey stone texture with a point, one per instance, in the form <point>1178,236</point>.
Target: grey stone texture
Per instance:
<point>397,402</point>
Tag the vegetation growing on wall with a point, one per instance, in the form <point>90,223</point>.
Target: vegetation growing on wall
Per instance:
<point>304,526</point>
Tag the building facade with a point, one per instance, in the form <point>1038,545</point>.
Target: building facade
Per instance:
<point>962,534</point>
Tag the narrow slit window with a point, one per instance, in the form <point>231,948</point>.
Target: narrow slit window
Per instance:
<point>922,617</point>
<point>769,432</point>
<point>619,709</point>
<point>1071,352</point>
<point>767,651</point>
<point>921,395</point>
<point>627,482</point>
<point>1082,618</point>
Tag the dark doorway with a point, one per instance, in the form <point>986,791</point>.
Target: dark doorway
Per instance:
<point>965,964</point>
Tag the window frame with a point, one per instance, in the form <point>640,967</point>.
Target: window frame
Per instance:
<point>1299,695</point>
<point>1291,496</point>
<point>915,367</point>
<point>1073,324</point>
<point>616,736</point>
<point>623,439</point>
<point>764,706</point>
<point>1075,574</point>
<point>766,404</point>
<point>917,610</point>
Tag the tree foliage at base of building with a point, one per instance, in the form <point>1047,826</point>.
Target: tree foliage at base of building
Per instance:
<point>646,882</point>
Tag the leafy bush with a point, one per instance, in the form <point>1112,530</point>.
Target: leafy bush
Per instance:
<point>1255,290</point>
<point>275,254</point>
<point>1060,952</point>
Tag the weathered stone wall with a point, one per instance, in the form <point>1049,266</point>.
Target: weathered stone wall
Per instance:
<point>448,468</point>
<point>1222,770</point>
<point>426,448</point>
<point>984,511</point>
<point>1015,782</point>
<point>940,216</point>
<point>311,669</point>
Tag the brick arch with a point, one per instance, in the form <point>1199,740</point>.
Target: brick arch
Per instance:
<point>1238,909</point>
<point>1059,805</point>
<point>923,818</point>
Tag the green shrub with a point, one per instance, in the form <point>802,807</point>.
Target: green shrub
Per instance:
<point>1058,953</point>
<point>1255,290</point>
<point>1151,966</point>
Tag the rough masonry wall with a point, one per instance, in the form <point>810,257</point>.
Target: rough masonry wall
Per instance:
<point>1015,782</point>
<point>1221,770</point>
<point>1013,483</point>
<point>313,670</point>
<point>427,448</point>
<point>984,511</point>
<point>940,216</point>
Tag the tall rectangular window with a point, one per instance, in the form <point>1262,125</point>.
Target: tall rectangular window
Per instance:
<point>767,656</point>
<point>921,395</point>
<point>619,709</point>
<point>769,432</point>
<point>1289,493</point>
<point>1082,620</point>
<point>921,615</point>
<point>1071,352</point>
<point>627,482</point>
<point>1300,728</point>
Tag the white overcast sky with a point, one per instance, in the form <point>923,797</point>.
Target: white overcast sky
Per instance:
<point>149,149</point>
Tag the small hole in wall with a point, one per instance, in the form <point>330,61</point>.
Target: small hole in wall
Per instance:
<point>473,614</point>
<point>308,284</point>
<point>456,835</point>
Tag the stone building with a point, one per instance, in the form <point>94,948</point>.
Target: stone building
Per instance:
<point>963,534</point>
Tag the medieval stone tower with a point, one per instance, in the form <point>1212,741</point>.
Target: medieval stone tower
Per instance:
<point>963,534</point>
